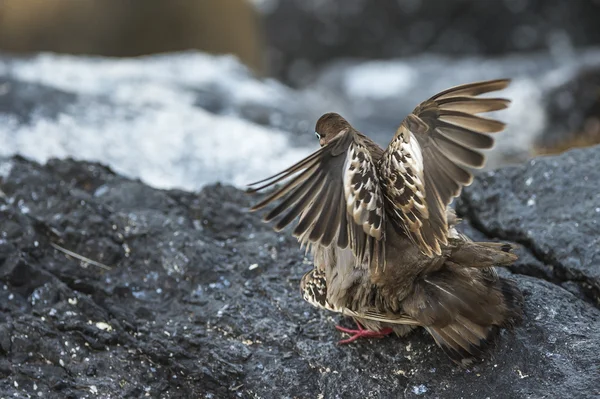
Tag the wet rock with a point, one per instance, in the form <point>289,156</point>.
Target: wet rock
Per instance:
<point>192,296</point>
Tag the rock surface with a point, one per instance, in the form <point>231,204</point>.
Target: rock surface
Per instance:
<point>195,297</point>
<point>552,207</point>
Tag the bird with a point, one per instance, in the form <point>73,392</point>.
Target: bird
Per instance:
<point>381,230</point>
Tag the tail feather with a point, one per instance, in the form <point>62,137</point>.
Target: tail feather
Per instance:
<point>464,309</point>
<point>483,254</point>
<point>461,343</point>
<point>513,301</point>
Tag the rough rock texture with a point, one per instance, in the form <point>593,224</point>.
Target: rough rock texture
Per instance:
<point>552,207</point>
<point>194,297</point>
<point>304,34</point>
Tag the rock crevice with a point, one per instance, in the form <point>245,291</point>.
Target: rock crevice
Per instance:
<point>544,266</point>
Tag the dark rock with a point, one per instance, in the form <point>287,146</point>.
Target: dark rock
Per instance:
<point>552,207</point>
<point>198,298</point>
<point>304,34</point>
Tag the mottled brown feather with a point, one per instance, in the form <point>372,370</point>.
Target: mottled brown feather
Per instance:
<point>341,172</point>
<point>435,143</point>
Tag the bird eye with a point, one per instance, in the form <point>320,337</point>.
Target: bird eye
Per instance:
<point>318,135</point>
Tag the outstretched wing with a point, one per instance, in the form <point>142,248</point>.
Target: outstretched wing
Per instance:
<point>426,164</point>
<point>335,192</point>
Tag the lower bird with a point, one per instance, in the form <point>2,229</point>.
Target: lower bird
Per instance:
<point>382,234</point>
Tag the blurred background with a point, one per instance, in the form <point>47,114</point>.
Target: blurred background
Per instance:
<point>184,93</point>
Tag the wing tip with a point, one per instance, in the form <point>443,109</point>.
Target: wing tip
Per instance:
<point>498,84</point>
<point>250,190</point>
<point>474,89</point>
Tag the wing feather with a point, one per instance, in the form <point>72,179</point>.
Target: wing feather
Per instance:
<point>425,165</point>
<point>299,206</point>
<point>336,196</point>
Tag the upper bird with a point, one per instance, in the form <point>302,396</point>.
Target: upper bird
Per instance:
<point>381,231</point>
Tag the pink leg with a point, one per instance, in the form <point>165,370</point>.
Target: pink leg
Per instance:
<point>362,333</point>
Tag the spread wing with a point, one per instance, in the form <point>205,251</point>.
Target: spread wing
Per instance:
<point>426,164</point>
<point>335,192</point>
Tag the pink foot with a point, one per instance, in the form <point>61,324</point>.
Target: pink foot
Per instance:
<point>362,333</point>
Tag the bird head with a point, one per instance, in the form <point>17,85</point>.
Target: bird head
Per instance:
<point>329,126</point>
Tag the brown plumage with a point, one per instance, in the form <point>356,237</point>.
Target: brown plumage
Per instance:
<point>382,234</point>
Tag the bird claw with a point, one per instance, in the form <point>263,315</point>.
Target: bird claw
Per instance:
<point>361,333</point>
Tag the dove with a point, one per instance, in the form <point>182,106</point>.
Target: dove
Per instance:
<point>380,229</point>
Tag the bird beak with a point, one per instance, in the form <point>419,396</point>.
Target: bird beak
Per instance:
<point>322,142</point>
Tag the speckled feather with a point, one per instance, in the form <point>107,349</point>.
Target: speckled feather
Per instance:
<point>342,172</point>
<point>422,169</point>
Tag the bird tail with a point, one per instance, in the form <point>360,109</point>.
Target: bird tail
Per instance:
<point>464,309</point>
<point>482,254</point>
